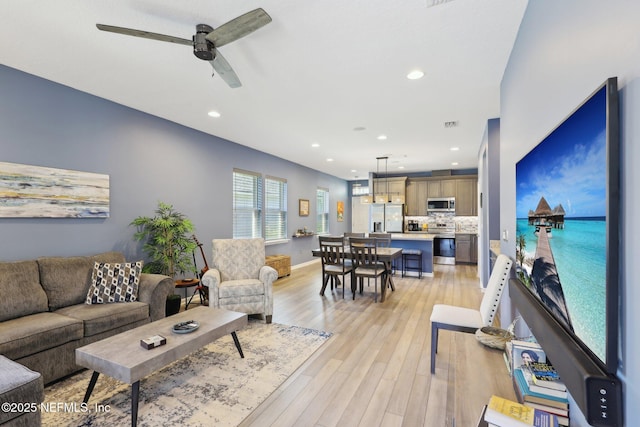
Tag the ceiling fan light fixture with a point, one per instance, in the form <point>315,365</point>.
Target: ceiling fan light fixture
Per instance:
<point>201,46</point>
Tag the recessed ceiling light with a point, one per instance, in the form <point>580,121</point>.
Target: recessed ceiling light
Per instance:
<point>415,75</point>
<point>400,167</point>
<point>329,160</point>
<point>315,145</point>
<point>382,137</point>
<point>454,148</point>
<point>213,114</point>
<point>353,171</point>
<point>454,164</point>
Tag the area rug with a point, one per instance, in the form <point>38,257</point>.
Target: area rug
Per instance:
<point>211,387</point>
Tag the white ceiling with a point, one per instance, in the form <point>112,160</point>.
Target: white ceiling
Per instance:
<point>318,71</point>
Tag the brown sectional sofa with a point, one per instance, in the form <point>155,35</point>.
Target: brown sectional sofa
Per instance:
<point>44,318</point>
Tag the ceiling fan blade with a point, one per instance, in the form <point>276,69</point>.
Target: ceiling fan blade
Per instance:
<point>222,67</point>
<point>144,34</point>
<point>239,27</point>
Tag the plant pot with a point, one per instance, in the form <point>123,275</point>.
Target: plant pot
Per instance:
<point>173,305</point>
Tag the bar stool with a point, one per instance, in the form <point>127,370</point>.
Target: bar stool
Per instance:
<point>412,256</point>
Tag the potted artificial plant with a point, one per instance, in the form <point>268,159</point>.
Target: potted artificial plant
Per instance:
<point>169,245</point>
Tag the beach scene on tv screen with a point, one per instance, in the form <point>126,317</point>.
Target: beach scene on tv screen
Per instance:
<point>561,222</point>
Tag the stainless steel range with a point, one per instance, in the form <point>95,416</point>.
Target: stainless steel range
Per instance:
<point>444,242</point>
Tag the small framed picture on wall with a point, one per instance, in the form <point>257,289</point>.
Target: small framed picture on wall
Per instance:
<point>303,207</point>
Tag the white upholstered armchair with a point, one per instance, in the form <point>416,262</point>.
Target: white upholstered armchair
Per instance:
<point>238,279</point>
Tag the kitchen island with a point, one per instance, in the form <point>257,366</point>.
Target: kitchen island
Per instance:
<point>416,240</point>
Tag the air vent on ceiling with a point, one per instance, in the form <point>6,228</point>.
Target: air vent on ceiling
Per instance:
<point>451,124</point>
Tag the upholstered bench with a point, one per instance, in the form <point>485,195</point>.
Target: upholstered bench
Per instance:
<point>281,263</point>
<point>21,392</point>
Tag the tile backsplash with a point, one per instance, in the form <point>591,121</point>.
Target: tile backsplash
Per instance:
<point>462,224</point>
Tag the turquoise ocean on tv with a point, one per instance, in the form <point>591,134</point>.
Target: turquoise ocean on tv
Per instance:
<point>579,251</point>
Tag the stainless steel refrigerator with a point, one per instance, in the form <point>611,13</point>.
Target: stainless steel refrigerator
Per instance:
<point>386,217</point>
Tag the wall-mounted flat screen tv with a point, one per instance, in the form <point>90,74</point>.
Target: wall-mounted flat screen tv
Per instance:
<point>567,198</point>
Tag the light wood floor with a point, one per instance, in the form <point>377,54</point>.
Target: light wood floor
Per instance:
<point>374,370</point>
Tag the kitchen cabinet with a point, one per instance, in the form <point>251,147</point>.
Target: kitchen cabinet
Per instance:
<point>390,189</point>
<point>463,187</point>
<point>466,248</point>
<point>474,248</point>
<point>466,197</point>
<point>442,188</point>
<point>416,196</point>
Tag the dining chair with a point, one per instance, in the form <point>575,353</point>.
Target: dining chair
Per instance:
<point>469,320</point>
<point>334,263</point>
<point>347,235</point>
<point>364,252</point>
<point>384,241</point>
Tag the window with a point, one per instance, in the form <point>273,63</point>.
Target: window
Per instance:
<point>257,213</point>
<point>322,210</point>
<point>359,190</point>
<point>247,205</point>
<point>275,208</point>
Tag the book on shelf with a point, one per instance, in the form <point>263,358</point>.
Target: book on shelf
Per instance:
<point>525,394</point>
<point>523,352</point>
<point>561,414</point>
<point>536,387</point>
<point>545,375</point>
<point>507,413</point>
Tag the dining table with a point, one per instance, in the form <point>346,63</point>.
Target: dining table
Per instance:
<point>385,255</point>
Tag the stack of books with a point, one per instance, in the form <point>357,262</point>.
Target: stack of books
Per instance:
<point>536,382</point>
<point>501,412</point>
<point>536,396</point>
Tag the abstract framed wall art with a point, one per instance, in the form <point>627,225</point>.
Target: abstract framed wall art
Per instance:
<point>40,192</point>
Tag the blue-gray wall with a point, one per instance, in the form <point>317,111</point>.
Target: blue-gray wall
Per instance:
<point>493,170</point>
<point>563,52</point>
<point>148,160</point>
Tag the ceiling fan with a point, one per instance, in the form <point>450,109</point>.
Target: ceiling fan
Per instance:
<point>207,40</point>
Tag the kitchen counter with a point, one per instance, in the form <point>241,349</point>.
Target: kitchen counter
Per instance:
<point>415,235</point>
<point>416,240</point>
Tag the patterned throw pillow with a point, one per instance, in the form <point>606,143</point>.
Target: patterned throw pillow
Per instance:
<point>114,282</point>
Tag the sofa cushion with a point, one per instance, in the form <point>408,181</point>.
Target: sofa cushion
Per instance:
<point>31,334</point>
<point>99,318</point>
<point>66,280</point>
<point>20,289</point>
<point>238,258</point>
<point>240,288</point>
<point>19,385</point>
<point>114,282</point>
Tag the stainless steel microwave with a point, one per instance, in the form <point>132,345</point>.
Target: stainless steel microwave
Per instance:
<point>441,205</point>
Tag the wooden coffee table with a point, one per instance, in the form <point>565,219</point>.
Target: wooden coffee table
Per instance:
<point>123,358</point>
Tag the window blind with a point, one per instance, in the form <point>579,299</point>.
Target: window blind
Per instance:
<point>247,205</point>
<point>322,211</point>
<point>275,219</point>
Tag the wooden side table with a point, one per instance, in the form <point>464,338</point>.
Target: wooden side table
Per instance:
<point>188,283</point>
